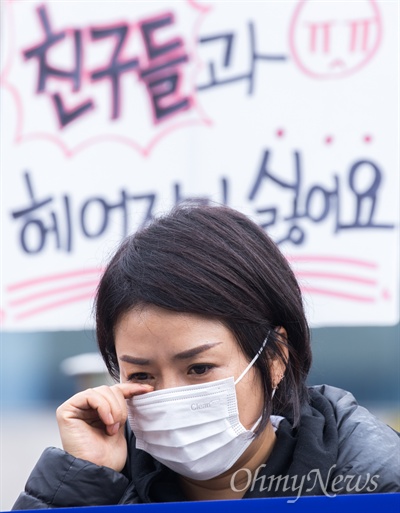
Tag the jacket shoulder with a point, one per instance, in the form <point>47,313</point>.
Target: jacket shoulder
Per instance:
<point>368,449</point>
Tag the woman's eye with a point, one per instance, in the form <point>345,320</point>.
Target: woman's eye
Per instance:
<point>139,376</point>
<point>200,369</point>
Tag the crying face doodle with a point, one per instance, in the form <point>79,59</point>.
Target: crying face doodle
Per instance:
<point>334,39</point>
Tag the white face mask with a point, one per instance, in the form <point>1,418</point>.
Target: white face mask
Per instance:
<point>194,430</point>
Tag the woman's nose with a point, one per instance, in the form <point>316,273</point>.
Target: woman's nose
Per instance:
<point>168,381</point>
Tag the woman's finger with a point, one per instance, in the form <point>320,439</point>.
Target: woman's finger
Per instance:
<point>117,407</point>
<point>103,403</point>
<point>89,404</point>
<point>122,392</point>
<point>131,389</point>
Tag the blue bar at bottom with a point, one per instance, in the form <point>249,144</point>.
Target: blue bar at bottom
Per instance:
<point>379,503</point>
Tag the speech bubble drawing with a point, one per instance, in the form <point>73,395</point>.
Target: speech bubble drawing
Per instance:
<point>123,73</point>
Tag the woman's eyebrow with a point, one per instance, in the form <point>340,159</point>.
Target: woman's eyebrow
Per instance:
<point>184,355</point>
<point>195,351</point>
<point>133,359</point>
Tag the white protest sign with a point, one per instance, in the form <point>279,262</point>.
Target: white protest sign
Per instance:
<point>112,112</point>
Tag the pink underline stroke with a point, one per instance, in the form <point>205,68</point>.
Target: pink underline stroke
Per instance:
<point>60,290</point>
<point>335,276</point>
<point>341,295</point>
<point>52,277</point>
<point>51,306</point>
<point>333,259</point>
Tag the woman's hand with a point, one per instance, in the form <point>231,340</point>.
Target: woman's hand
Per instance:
<point>91,423</point>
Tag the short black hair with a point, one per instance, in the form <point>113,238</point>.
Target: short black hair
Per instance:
<point>215,262</point>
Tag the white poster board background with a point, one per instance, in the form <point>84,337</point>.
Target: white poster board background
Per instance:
<point>111,112</point>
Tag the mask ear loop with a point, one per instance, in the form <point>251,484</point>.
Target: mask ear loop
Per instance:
<point>249,367</point>
<point>253,360</point>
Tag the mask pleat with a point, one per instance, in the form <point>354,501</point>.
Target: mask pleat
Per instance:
<point>186,452</point>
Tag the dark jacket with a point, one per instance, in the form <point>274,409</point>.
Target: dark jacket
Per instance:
<point>339,447</point>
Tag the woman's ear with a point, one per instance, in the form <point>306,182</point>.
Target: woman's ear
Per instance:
<point>279,363</point>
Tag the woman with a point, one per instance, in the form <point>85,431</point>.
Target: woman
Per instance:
<point>200,320</point>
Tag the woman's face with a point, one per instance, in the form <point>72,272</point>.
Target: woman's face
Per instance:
<point>168,349</point>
